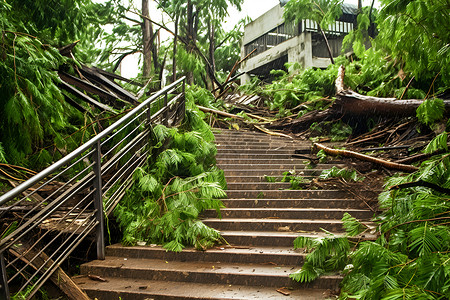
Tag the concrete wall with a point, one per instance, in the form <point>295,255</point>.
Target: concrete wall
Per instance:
<point>298,49</point>
<point>263,24</point>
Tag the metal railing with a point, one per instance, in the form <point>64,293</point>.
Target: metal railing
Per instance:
<point>59,207</point>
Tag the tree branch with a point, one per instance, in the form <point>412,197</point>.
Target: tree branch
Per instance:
<point>384,163</point>
<point>421,183</point>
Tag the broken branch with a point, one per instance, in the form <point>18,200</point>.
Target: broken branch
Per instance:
<point>384,163</point>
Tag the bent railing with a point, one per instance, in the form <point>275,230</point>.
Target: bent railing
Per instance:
<point>50,214</point>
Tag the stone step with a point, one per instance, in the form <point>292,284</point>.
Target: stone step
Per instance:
<point>199,272</point>
<point>288,194</point>
<point>288,213</point>
<point>139,289</point>
<point>256,179</point>
<point>259,185</point>
<point>263,238</point>
<point>277,225</point>
<point>255,151</point>
<point>223,253</point>
<point>252,138</point>
<point>258,146</point>
<point>271,172</point>
<point>288,203</point>
<point>250,161</point>
<point>252,135</point>
<point>274,155</point>
<point>270,166</point>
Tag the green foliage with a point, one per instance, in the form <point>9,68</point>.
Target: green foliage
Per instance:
<point>342,173</point>
<point>410,259</point>
<point>351,225</point>
<point>297,182</point>
<point>415,32</point>
<point>325,255</point>
<point>340,131</point>
<point>202,96</point>
<point>430,111</point>
<point>324,12</point>
<point>322,156</point>
<point>297,87</point>
<point>33,107</point>
<point>163,205</point>
<point>438,143</point>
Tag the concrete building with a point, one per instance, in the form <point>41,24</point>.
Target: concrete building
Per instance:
<point>277,42</point>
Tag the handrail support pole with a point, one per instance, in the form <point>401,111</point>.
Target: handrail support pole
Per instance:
<point>4,289</point>
<point>98,202</point>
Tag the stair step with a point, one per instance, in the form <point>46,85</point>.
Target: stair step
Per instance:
<point>255,178</point>
<point>288,213</point>
<point>138,289</point>
<point>287,203</point>
<point>263,238</point>
<point>257,146</point>
<point>270,172</point>
<point>199,272</point>
<point>223,253</point>
<point>268,166</point>
<point>259,185</point>
<point>288,194</point>
<point>276,225</point>
<point>274,155</point>
<point>245,161</point>
<point>256,151</point>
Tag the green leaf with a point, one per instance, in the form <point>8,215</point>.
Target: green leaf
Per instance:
<point>430,111</point>
<point>438,143</point>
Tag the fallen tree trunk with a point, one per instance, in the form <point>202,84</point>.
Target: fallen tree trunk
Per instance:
<point>349,102</point>
<point>382,162</point>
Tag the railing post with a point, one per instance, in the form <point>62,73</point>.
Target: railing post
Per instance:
<point>166,110</point>
<point>98,202</point>
<point>4,289</point>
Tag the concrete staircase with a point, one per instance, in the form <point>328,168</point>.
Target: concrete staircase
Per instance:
<point>260,222</point>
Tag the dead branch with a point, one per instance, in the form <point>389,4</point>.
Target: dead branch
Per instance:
<point>340,80</point>
<point>384,163</point>
<point>218,112</point>
<point>265,130</point>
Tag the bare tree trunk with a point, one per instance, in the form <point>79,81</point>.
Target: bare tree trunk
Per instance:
<point>175,41</point>
<point>212,46</point>
<point>190,37</point>
<point>147,37</point>
<point>326,42</point>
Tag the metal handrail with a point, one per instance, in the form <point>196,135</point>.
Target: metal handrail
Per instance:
<point>88,175</point>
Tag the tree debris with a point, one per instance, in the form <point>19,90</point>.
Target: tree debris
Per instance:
<point>384,163</point>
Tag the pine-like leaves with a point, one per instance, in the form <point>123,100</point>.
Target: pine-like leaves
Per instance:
<point>410,260</point>
<point>177,185</point>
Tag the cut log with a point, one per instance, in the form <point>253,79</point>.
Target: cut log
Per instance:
<point>351,103</point>
<point>382,162</point>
